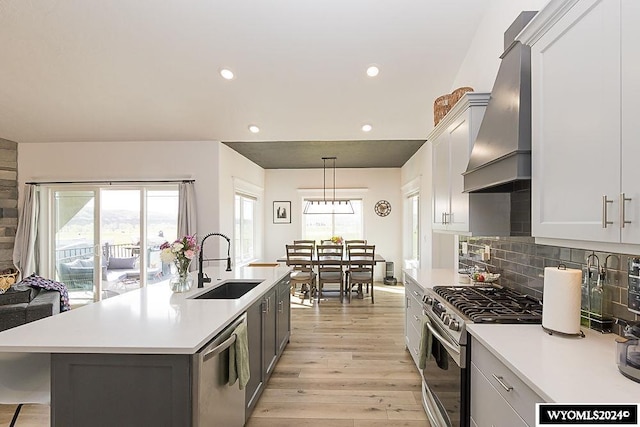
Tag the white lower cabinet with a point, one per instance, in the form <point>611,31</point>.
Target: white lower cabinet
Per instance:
<point>499,398</point>
<point>413,317</point>
<point>488,407</point>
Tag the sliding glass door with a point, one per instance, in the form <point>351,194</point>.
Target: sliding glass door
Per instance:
<point>75,252</point>
<point>106,240</point>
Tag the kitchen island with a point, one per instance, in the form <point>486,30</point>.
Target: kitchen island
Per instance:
<point>108,358</point>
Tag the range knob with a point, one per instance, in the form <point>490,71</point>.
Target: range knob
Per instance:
<point>446,318</point>
<point>428,300</point>
<point>454,325</point>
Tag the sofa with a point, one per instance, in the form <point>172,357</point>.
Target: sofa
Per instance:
<point>22,304</point>
<point>78,273</point>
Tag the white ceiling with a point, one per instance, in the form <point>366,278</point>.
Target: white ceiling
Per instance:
<point>147,70</point>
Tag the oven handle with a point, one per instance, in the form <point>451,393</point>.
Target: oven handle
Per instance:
<point>442,340</point>
<point>431,407</point>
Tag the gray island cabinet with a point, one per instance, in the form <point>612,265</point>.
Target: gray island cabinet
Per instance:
<point>269,322</point>
<point>132,360</point>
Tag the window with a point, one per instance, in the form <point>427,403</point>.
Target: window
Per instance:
<point>413,228</point>
<point>322,226</point>
<point>245,228</point>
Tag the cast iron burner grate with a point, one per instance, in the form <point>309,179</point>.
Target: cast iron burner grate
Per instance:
<point>490,304</point>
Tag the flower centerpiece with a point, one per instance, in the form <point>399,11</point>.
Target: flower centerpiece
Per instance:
<point>180,253</point>
<point>337,240</point>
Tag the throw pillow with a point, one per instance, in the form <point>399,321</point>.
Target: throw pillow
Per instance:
<point>17,294</point>
<point>122,263</point>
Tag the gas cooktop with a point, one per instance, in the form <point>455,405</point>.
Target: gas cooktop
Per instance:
<point>491,304</point>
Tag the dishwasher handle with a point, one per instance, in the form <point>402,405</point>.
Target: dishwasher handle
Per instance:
<point>216,349</point>
<point>219,348</point>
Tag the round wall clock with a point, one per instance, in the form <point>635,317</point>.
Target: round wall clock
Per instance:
<point>383,208</point>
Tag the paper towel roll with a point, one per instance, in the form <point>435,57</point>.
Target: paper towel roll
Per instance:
<point>561,300</point>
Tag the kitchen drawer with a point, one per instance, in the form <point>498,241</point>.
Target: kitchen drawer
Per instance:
<point>488,408</point>
<point>415,318</point>
<point>413,343</point>
<point>414,290</point>
<point>519,396</point>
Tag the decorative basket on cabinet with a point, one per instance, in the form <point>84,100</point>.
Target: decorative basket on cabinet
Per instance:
<point>457,94</point>
<point>441,107</point>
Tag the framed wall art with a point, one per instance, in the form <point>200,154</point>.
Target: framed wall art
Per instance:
<point>281,212</point>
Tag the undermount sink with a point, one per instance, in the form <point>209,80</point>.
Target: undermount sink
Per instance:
<point>229,290</point>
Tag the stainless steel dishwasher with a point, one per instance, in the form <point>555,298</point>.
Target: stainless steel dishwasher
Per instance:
<point>216,403</point>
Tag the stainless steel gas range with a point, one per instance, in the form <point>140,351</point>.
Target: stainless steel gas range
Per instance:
<point>447,311</point>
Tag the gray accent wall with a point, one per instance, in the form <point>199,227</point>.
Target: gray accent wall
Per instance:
<point>521,262</point>
<point>8,200</point>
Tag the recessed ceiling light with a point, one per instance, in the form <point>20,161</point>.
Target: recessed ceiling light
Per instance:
<point>254,129</point>
<point>372,71</point>
<point>366,128</point>
<point>226,73</point>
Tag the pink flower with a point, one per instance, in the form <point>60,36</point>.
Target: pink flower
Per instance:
<point>190,254</point>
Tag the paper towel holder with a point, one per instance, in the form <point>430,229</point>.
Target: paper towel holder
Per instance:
<point>564,334</point>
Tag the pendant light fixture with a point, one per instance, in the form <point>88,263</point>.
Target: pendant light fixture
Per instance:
<point>332,205</point>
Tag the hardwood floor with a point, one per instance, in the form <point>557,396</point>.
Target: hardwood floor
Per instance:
<point>30,415</point>
<point>346,365</point>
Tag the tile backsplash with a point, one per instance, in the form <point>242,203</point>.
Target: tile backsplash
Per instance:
<point>521,262</point>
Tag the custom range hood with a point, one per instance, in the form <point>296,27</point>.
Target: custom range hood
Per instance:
<point>500,161</point>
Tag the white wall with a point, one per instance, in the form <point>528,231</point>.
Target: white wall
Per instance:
<point>384,232</point>
<point>211,164</point>
<point>236,172</point>
<point>481,63</point>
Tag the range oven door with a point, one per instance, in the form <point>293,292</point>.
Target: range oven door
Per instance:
<point>445,382</point>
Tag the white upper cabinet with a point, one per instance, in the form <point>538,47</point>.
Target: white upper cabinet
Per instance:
<point>454,211</point>
<point>580,152</point>
<point>630,62</point>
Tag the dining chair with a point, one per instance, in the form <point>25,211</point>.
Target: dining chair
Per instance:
<point>330,267</point>
<point>300,259</point>
<point>305,242</point>
<point>361,259</point>
<point>356,242</point>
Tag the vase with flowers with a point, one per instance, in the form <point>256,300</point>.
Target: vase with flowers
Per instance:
<point>180,253</point>
<point>337,240</point>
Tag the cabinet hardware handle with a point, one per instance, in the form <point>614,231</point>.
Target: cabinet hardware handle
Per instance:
<point>280,306</point>
<point>408,302</point>
<point>605,222</point>
<point>416,317</point>
<point>501,381</point>
<point>264,306</point>
<point>442,218</point>
<point>623,199</point>
<point>415,350</point>
<point>448,217</point>
<point>416,293</point>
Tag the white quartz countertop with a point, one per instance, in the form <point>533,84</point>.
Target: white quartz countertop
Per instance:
<point>560,369</point>
<point>152,320</point>
<point>430,277</point>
